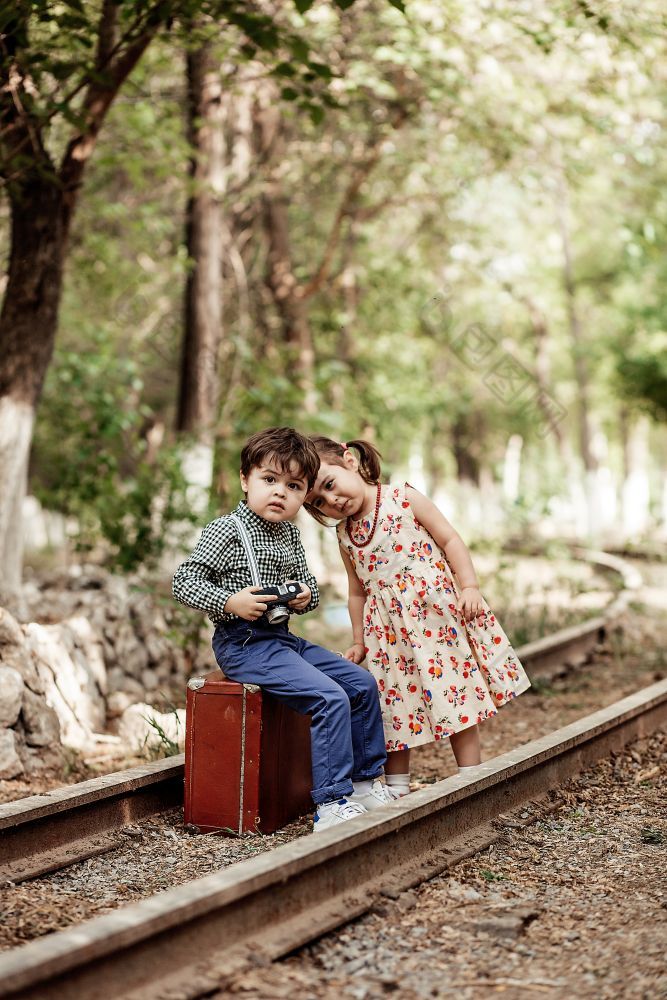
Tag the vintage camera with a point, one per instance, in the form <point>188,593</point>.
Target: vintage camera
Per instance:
<point>278,611</point>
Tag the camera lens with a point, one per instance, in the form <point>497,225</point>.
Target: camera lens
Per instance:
<point>277,614</point>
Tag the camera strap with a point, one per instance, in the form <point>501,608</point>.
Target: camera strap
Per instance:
<point>249,551</point>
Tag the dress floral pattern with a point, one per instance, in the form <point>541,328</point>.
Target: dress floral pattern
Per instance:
<point>437,674</point>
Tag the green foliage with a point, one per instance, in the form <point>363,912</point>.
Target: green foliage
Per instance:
<point>465,202</point>
<point>643,376</point>
<point>93,460</point>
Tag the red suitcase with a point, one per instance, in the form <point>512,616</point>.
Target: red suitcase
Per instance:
<point>247,758</point>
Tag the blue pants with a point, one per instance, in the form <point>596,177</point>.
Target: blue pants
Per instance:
<point>347,738</point>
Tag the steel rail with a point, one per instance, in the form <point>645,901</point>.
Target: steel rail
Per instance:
<point>181,943</point>
<point>43,833</point>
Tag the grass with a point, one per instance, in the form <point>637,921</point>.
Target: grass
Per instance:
<point>165,745</point>
<point>490,876</point>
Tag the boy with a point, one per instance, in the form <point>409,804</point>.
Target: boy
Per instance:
<point>278,468</point>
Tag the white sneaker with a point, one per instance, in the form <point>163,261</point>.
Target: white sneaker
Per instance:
<point>378,796</point>
<point>393,793</point>
<point>332,813</point>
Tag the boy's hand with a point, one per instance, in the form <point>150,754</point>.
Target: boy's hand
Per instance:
<point>356,652</point>
<point>470,603</point>
<point>302,600</point>
<point>246,603</point>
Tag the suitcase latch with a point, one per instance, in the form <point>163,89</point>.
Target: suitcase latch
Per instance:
<point>196,682</point>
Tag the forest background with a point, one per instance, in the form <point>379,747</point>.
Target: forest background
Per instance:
<point>441,227</point>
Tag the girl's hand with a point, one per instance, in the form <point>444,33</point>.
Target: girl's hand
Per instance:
<point>470,603</point>
<point>303,599</point>
<point>247,605</point>
<point>356,652</point>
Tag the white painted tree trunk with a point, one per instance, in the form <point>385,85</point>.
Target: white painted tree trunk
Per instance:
<point>16,423</point>
<point>512,468</point>
<point>636,490</point>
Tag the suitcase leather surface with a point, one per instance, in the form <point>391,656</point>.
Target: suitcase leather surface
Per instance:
<point>247,758</point>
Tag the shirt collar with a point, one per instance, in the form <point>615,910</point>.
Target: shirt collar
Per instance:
<point>249,517</point>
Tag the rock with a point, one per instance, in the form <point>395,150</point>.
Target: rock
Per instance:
<point>508,925</point>
<point>117,703</point>
<point>66,683</point>
<point>115,680</point>
<point>10,630</point>
<point>36,759</point>
<point>149,680</point>
<point>156,648</point>
<point>19,659</point>
<point>136,730</point>
<point>42,728</point>
<point>163,671</point>
<point>10,762</point>
<point>91,647</point>
<point>132,687</point>
<point>11,695</point>
<point>131,654</point>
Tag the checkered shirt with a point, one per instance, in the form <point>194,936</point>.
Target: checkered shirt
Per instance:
<point>218,566</point>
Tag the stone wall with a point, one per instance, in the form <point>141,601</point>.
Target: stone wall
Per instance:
<point>89,647</point>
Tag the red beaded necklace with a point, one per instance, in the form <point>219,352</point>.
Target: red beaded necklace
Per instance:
<point>361,545</point>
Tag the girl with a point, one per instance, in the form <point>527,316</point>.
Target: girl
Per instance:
<point>441,661</point>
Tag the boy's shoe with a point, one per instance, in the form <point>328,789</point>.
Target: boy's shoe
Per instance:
<point>378,796</point>
<point>332,813</point>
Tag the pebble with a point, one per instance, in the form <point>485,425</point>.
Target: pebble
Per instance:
<point>578,925</point>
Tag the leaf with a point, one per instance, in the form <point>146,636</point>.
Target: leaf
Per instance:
<point>299,49</point>
<point>289,94</point>
<point>63,71</point>
<point>321,70</point>
<point>73,20</point>
<point>316,112</point>
<point>303,5</point>
<point>398,4</point>
<point>285,69</point>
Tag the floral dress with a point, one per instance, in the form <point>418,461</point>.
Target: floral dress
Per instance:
<point>437,674</point>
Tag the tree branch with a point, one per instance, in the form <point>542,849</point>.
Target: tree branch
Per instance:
<point>97,101</point>
<point>344,209</point>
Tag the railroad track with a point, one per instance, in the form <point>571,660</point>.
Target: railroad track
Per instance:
<point>181,943</point>
<point>43,833</point>
<point>46,832</point>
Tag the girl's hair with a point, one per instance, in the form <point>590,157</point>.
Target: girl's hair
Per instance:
<point>333,452</point>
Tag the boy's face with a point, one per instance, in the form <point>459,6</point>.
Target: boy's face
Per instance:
<point>274,494</point>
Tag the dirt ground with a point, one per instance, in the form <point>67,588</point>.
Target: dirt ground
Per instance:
<point>567,903</point>
<point>160,853</point>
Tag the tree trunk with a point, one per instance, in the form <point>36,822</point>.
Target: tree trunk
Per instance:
<point>465,430</point>
<point>40,220</point>
<point>199,383</point>
<point>199,390</point>
<point>43,200</point>
<point>280,278</point>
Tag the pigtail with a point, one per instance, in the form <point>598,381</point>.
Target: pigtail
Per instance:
<point>370,468</point>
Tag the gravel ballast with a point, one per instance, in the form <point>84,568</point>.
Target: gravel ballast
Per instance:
<point>159,853</point>
<point>571,900</point>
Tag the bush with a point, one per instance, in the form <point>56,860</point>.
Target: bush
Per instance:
<point>92,461</point>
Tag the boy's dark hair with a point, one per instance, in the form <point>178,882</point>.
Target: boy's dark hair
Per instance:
<point>333,452</point>
<point>286,446</point>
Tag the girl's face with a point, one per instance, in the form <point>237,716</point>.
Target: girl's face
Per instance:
<point>339,491</point>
